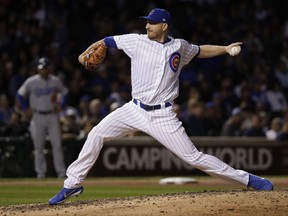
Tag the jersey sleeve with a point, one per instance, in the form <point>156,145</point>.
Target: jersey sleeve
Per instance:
<point>190,51</point>
<point>127,43</point>
<point>24,89</point>
<point>22,92</point>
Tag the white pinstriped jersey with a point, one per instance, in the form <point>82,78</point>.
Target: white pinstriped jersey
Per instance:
<point>155,67</point>
<point>40,91</point>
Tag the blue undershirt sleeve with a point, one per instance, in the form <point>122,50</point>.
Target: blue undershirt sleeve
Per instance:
<point>110,42</point>
<point>22,101</point>
<point>63,101</point>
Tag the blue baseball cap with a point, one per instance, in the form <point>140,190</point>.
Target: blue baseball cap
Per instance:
<point>158,15</point>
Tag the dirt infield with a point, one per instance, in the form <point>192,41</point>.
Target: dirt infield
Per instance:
<point>232,202</point>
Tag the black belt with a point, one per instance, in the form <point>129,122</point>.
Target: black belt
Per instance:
<point>152,107</point>
<point>43,112</point>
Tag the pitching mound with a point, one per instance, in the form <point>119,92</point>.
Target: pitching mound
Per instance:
<point>237,202</point>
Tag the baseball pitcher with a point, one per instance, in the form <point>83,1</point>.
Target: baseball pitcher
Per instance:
<point>156,62</point>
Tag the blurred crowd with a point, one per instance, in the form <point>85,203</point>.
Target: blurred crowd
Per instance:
<point>224,96</point>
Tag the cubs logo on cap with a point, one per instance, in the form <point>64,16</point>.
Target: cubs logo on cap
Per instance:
<point>158,15</point>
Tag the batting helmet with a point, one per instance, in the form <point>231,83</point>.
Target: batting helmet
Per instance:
<point>43,63</point>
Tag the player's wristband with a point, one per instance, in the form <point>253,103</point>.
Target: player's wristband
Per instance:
<point>110,42</point>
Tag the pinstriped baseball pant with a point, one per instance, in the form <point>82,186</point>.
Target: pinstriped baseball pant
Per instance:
<point>164,126</point>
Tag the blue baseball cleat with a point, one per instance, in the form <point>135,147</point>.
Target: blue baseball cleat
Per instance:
<point>64,194</point>
<point>258,183</point>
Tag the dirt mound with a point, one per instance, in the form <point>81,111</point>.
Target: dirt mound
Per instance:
<point>236,202</point>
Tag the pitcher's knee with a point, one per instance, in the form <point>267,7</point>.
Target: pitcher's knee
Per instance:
<point>98,132</point>
<point>192,159</point>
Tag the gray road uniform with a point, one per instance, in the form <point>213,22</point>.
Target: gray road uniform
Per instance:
<point>45,121</point>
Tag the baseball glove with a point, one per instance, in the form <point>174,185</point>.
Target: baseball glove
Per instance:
<point>94,56</point>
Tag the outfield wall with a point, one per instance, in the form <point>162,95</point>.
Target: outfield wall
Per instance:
<point>144,156</point>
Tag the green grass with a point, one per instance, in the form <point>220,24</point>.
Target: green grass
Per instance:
<point>24,194</point>
<point>13,195</point>
<point>33,191</point>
